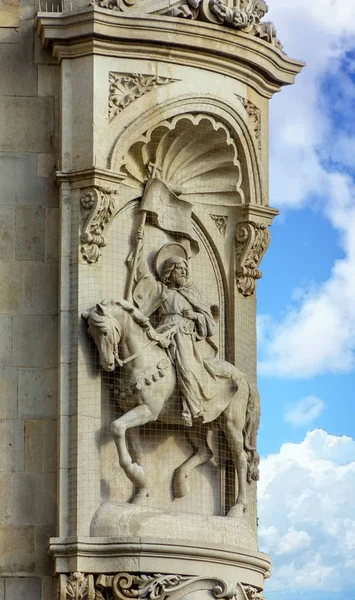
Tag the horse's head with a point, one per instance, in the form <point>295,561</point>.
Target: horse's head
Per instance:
<point>106,332</point>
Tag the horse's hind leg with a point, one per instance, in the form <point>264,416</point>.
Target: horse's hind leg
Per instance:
<point>235,439</point>
<point>140,415</point>
<point>197,436</point>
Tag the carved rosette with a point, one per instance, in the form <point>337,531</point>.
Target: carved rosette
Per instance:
<point>254,114</point>
<point>76,586</point>
<point>98,208</point>
<point>126,88</point>
<point>252,240</point>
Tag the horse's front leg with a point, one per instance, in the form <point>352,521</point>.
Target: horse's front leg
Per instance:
<point>140,415</point>
<point>234,435</point>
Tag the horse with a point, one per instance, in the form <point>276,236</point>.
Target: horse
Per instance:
<point>151,395</point>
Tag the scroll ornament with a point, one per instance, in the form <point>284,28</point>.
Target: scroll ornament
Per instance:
<point>126,586</point>
<point>252,240</point>
<point>254,114</point>
<point>98,208</point>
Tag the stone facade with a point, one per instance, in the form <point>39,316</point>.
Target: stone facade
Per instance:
<point>90,98</point>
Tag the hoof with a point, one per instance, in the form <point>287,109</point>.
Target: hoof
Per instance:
<point>237,511</point>
<point>181,486</point>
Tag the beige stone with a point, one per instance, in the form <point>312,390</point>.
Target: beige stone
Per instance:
<point>44,563</point>
<point>6,498</point>
<point>20,588</point>
<point>10,288</point>
<point>9,13</point>
<point>46,163</point>
<point>15,133</point>
<point>34,446</point>
<point>11,445</point>
<point>39,486</point>
<point>8,393</point>
<point>17,549</point>
<point>30,233</point>
<point>40,288</point>
<point>5,341</point>
<point>49,588</point>
<point>2,588</point>
<point>17,59</point>
<point>7,233</point>
<point>37,393</point>
<point>50,446</point>
<point>49,80</point>
<point>52,234</point>
<point>35,341</point>
<point>19,184</point>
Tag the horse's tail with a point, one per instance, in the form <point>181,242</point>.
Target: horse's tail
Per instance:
<point>249,432</point>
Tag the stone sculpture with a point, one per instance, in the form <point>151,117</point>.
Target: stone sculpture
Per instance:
<point>174,382</point>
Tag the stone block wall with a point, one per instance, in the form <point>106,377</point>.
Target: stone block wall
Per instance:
<point>29,88</point>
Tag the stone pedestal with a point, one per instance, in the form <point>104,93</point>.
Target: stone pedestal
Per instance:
<point>176,92</point>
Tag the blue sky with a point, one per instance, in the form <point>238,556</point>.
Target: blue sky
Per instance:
<point>306,312</point>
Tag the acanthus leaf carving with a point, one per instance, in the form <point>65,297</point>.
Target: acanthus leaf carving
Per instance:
<point>251,593</point>
<point>221,223</point>
<point>252,240</point>
<point>254,114</point>
<point>98,208</point>
<point>76,586</point>
<point>126,88</point>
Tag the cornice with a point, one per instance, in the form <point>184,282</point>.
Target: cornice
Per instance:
<point>96,30</point>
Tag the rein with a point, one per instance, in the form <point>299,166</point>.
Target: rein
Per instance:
<point>150,344</point>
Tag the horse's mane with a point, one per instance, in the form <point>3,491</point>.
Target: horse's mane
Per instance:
<point>100,320</point>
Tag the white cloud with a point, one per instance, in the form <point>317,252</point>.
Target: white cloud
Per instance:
<point>307,514</point>
<point>304,411</point>
<point>310,154</point>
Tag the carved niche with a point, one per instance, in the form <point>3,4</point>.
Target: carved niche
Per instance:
<point>252,240</point>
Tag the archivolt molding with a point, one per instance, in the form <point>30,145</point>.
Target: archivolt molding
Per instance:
<point>149,586</point>
<point>252,240</point>
<point>125,88</point>
<point>98,209</point>
<point>247,182</point>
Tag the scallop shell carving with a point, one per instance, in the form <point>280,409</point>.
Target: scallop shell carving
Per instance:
<point>192,154</point>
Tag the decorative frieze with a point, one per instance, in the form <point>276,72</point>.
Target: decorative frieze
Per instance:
<point>254,114</point>
<point>148,586</point>
<point>98,208</point>
<point>221,223</point>
<point>126,88</point>
<point>245,15</point>
<point>252,240</point>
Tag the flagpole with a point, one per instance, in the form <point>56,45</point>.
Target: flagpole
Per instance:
<point>136,256</point>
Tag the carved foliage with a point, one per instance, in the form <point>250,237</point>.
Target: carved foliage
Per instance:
<point>221,223</point>
<point>125,89</point>
<point>252,240</point>
<point>151,586</point>
<point>254,115</point>
<point>245,15</point>
<point>98,208</point>
<point>76,586</point>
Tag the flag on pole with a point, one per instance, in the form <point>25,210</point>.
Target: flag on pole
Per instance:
<point>169,211</point>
